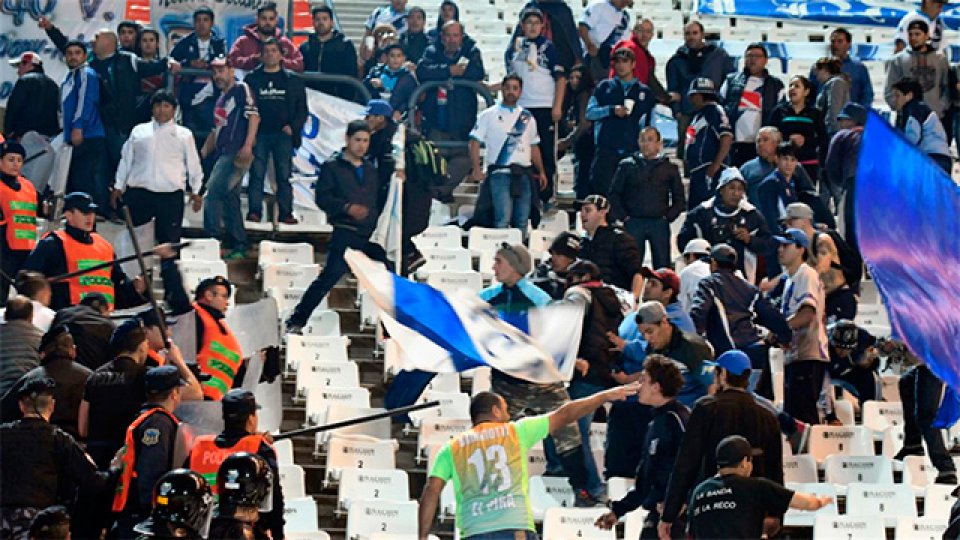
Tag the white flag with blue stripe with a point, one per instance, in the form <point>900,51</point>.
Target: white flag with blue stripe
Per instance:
<point>441,333</point>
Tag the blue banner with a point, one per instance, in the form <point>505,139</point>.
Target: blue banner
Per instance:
<point>841,12</point>
<point>908,228</point>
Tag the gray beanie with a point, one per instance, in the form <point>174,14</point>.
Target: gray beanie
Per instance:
<point>517,257</point>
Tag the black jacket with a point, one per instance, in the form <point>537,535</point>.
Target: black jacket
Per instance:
<point>714,223</point>
<point>115,392</point>
<point>728,412</point>
<point>660,447</point>
<point>460,112</point>
<point>339,185</point>
<point>296,100</point>
<point>616,253</point>
<point>91,333</point>
<point>727,308</point>
<point>646,188</point>
<point>336,56</point>
<point>603,314</point>
<point>33,105</point>
<point>70,377</point>
<point>414,45</point>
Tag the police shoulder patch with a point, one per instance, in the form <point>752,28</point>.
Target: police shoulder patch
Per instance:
<point>150,437</point>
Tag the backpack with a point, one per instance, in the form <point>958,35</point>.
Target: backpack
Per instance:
<point>426,166</point>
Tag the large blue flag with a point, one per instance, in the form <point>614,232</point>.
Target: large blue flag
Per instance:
<point>908,229</point>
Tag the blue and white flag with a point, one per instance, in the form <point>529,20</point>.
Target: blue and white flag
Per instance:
<point>908,229</point>
<point>844,12</point>
<point>441,333</point>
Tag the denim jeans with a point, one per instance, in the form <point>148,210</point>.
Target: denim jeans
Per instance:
<point>921,392</point>
<point>280,147</point>
<point>223,203</point>
<point>580,389</point>
<point>657,232</point>
<point>510,211</point>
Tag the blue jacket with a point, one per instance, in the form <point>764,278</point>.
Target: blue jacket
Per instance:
<point>611,132</point>
<point>188,49</point>
<point>635,348</point>
<point>80,92</point>
<point>514,302</point>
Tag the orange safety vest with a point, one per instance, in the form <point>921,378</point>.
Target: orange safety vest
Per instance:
<point>219,356</point>
<point>79,256</point>
<point>128,458</point>
<point>206,456</point>
<point>19,215</point>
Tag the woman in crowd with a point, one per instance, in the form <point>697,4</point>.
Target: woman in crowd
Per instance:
<point>802,124</point>
<point>834,91</point>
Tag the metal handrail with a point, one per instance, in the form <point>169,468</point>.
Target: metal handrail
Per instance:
<point>478,88</point>
<point>306,75</point>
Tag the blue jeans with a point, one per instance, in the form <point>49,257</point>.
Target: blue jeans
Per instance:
<point>508,210</point>
<point>657,232</point>
<point>280,147</point>
<point>580,389</point>
<point>223,203</point>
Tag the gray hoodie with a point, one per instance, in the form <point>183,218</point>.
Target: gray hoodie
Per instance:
<point>929,68</point>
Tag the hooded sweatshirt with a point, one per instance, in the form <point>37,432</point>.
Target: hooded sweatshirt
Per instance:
<point>929,68</point>
<point>245,49</point>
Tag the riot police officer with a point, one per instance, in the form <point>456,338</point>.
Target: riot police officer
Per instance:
<point>244,485</point>
<point>182,505</point>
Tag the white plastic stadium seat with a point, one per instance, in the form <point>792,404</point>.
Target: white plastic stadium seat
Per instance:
<point>305,535</point>
<point>481,380</point>
<point>201,249</point>
<point>192,272</point>
<point>830,527</point>
<point>284,252</point>
<point>918,472</point>
<point>549,492</point>
<point>370,516</point>
<point>483,239</point>
<point>920,528</point>
<point>800,469</point>
<point>287,299</point>
<point>439,431</point>
<point>570,523</point>
<point>312,374</point>
<point>300,515</point>
<point>557,222</point>
<point>846,470</point>
<point>316,349</point>
<point>284,450</point>
<point>618,487</point>
<point>890,387</point>
<point>633,523</point>
<point>845,440</point>
<point>292,481</point>
<point>536,460</point>
<point>444,382</point>
<point>938,499</point>
<point>451,282</point>
<point>319,400</point>
<point>803,518</point>
<point>322,322</point>
<point>444,260</point>
<point>891,501</point>
<point>844,412</point>
<point>289,276</point>
<point>447,236</point>
<point>452,405</point>
<point>539,242</point>
<point>879,415</point>
<point>359,452</point>
<point>338,412</point>
<point>382,484</point>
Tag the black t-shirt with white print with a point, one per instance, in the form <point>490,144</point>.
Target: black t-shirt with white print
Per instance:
<point>733,507</point>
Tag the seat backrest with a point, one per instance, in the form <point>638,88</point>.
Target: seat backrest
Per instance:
<point>284,252</point>
<point>444,260</point>
<point>300,514</point>
<point>452,405</point>
<point>889,500</point>
<point>201,249</point>
<point>864,469</point>
<point>889,385</point>
<point>359,452</point>
<point>316,349</point>
<point>337,412</point>
<point>566,523</point>
<point>289,275</point>
<point>879,415</point>
<point>440,430</point>
<point>292,481</point>
<point>844,412</point>
<point>287,299</point>
<point>801,469</point>
<point>483,239</point>
<point>447,236</point>
<point>284,450</point>
<point>920,528</point>
<point>598,434</point>
<point>832,527</point>
<point>481,381</point>
<point>618,487</point>
<point>556,222</point>
<point>539,242</point>
<point>938,499</point>
<point>382,484</point>
<point>319,400</point>
<point>322,322</point>
<point>312,374</point>
<point>549,492</point>
<point>918,471</point>
<point>445,382</point>
<point>192,272</point>
<point>370,516</point>
<point>633,523</point>
<point>892,441</point>
<point>450,282</point>
<point>536,460</point>
<point>845,440</point>
<point>803,518</point>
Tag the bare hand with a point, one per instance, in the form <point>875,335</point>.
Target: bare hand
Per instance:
<point>174,355</point>
<point>174,66</point>
<point>196,202</point>
<point>165,251</point>
<point>620,111</point>
<point>199,63</point>
<point>357,211</point>
<point>287,130</point>
<point>742,234</point>
<point>674,97</point>
<point>621,393</point>
<point>139,285</point>
<point>44,23</point>
<point>76,136</point>
<point>376,83</point>
<point>556,114</point>
<point>457,70</point>
<point>767,284</point>
<point>115,197</point>
<point>663,530</point>
<point>542,181</point>
<point>713,169</point>
<point>797,139</point>
<point>476,174</point>
<point>771,526</point>
<point>621,378</point>
<point>606,521</point>
<point>582,366</point>
<point>617,342</point>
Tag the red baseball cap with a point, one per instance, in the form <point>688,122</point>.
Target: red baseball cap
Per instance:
<point>28,57</point>
<point>668,277</point>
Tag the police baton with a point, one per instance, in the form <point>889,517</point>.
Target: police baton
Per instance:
<point>161,316</point>
<point>121,260</point>
<point>359,420</point>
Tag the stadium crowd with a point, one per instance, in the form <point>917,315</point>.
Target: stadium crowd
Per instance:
<point>770,261</point>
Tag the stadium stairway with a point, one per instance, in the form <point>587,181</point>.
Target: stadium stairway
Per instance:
<point>353,14</point>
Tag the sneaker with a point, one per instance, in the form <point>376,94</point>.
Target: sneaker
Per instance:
<point>294,329</point>
<point>254,217</point>
<point>416,260</point>
<point>236,255</point>
<point>798,441</point>
<point>908,451</point>
<point>290,221</point>
<point>949,478</point>
<point>585,500</point>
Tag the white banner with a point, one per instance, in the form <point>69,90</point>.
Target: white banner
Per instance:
<point>174,18</point>
<point>19,32</point>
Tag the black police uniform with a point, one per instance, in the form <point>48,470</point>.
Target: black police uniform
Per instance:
<point>616,253</point>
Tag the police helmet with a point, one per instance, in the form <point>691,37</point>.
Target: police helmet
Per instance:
<point>244,480</point>
<point>182,504</point>
<point>844,334</point>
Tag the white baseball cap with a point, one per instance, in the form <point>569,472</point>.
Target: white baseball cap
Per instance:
<point>697,246</point>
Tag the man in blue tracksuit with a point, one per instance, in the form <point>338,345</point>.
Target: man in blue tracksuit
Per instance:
<point>709,138</point>
<point>82,125</point>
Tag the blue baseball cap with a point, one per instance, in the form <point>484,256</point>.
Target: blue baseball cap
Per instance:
<point>163,378</point>
<point>734,361</point>
<point>378,107</point>
<point>854,112</point>
<point>794,236</point>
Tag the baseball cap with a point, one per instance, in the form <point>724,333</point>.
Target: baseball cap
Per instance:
<point>79,200</point>
<point>799,210</point>
<point>530,12</point>
<point>651,312</point>
<point>794,236</point>
<point>624,52</point>
<point>125,328</point>
<point>723,253</point>
<point>919,25</point>
<point>161,379</point>
<point>221,61</point>
<point>239,402</point>
<point>378,107</point>
<point>35,386</point>
<point>854,112</point>
<point>702,85</point>
<point>599,201</point>
<point>733,449</point>
<point>12,147</point>
<point>28,57</point>
<point>729,175</point>
<point>566,244</point>
<point>735,361</point>
<point>697,246</point>
<point>206,283</point>
<point>666,276</point>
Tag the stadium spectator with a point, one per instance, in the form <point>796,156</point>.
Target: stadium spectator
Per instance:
<point>534,59</point>
<point>91,328</point>
<point>34,102</point>
<point>19,204</point>
<point>51,523</point>
<point>800,123</point>
<point>734,505</point>
<point>758,168</point>
<point>660,382</point>
<point>282,106</point>
<point>861,88</point>
<point>394,14</point>
<point>379,117</point>
<point>618,109</point>
<point>449,11</point>
<point>159,161</point>
<point>663,285</point>
<point>579,135</point>
<point>450,113</point>
<point>647,196</point>
<point>609,247</point>
<point>128,37</point>
<point>602,24</point>
<point>802,302</point>
<point>230,147</point>
<point>854,360</point>
<point>19,342</point>
<point>750,97</point>
<point>696,266</point>
<point>928,13</point>
<point>513,158</point>
<point>384,35</point>
<point>347,191</point>
<point>196,50</point>
<point>392,81</point>
<point>666,338</point>
<point>247,50</point>
<point>513,294</point>
<point>729,312</point>
<point>327,50</point>
<point>644,70</point>
<point>709,139</point>
<point>551,274</point>
<point>149,45</point>
<point>922,63</point>
<point>840,165</point>
<point>780,189</point>
<point>920,124</point>
<point>730,410</point>
<point>35,286</point>
<point>164,352</point>
<point>728,218</point>
<point>694,59</point>
<point>834,92</point>
<point>414,40</point>
<point>559,28</point>
<point>922,393</point>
